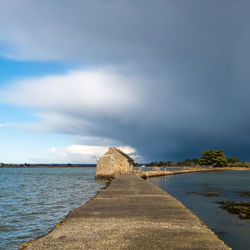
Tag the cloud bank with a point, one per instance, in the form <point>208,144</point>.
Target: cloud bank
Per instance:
<point>169,78</point>
<point>132,111</point>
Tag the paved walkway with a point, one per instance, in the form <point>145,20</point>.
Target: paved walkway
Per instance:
<point>130,213</point>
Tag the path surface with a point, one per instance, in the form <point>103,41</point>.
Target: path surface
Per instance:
<point>130,213</point>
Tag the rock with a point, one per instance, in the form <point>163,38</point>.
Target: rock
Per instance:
<point>244,193</point>
<point>209,194</point>
<point>240,208</point>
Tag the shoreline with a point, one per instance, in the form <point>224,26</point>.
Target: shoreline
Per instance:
<point>125,217</point>
<point>22,166</point>
<point>50,167</point>
<point>62,220</point>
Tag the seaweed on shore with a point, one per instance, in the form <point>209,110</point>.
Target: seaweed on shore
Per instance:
<point>209,194</point>
<point>240,208</point>
<point>244,193</point>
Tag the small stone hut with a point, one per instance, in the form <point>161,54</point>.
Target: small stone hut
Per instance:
<point>113,162</point>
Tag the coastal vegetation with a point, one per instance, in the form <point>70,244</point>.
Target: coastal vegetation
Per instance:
<point>240,208</point>
<point>233,160</point>
<point>244,193</point>
<point>210,158</point>
<point>209,194</point>
<point>214,158</point>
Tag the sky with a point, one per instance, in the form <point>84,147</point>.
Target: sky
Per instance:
<point>162,79</point>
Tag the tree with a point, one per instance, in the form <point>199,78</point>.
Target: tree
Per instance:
<point>187,162</point>
<point>215,158</point>
<point>232,160</point>
<point>195,161</point>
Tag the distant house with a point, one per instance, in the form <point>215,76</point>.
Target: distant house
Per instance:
<point>113,162</point>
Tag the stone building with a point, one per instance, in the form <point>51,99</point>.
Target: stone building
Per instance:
<point>113,162</point>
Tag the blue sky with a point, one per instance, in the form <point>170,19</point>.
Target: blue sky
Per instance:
<point>17,144</point>
<point>164,80</point>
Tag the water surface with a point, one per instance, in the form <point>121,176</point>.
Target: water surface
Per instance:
<point>230,228</point>
<point>33,200</point>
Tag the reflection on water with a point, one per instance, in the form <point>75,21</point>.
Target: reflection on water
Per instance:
<point>230,228</point>
<point>33,200</point>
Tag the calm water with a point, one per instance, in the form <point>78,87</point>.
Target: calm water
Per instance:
<point>230,228</point>
<point>33,200</point>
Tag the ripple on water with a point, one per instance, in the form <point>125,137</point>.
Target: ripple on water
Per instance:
<point>33,200</point>
<point>6,228</point>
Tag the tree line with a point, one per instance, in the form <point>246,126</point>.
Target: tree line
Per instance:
<point>214,158</point>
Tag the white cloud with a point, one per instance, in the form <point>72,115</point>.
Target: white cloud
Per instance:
<point>3,125</point>
<point>79,102</point>
<point>84,153</point>
<point>98,91</point>
<point>82,150</point>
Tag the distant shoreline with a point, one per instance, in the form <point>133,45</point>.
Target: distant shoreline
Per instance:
<point>48,166</point>
<point>94,166</point>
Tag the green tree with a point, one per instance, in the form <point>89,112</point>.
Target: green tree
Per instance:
<point>195,161</point>
<point>187,162</point>
<point>215,158</point>
<point>232,160</point>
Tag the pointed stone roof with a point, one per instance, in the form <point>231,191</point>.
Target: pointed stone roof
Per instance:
<point>113,162</point>
<point>121,152</point>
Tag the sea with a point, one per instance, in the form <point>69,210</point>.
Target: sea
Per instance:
<point>33,200</point>
<point>234,231</point>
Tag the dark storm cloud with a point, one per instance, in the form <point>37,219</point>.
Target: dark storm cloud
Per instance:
<point>185,63</point>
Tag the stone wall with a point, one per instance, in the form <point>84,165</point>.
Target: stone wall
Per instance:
<point>113,162</point>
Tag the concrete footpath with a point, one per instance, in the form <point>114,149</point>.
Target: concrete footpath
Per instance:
<point>130,213</point>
